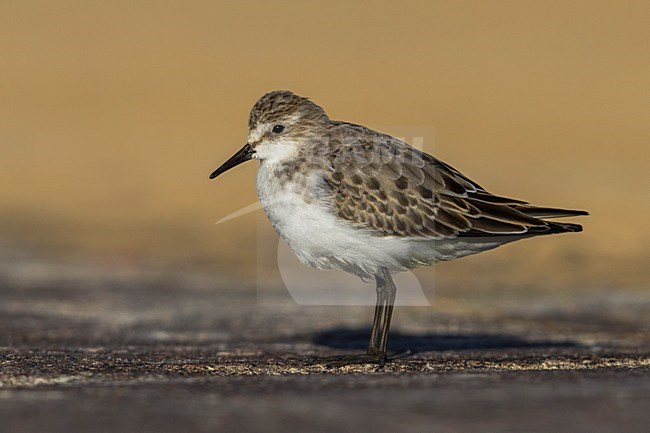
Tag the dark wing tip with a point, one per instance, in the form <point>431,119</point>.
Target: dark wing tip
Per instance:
<point>553,228</point>
<point>565,227</point>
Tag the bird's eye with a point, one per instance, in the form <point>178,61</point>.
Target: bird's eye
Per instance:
<point>278,129</point>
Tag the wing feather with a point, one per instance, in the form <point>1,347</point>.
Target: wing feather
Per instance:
<point>379,183</point>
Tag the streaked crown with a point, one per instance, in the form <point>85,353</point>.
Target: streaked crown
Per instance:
<point>280,105</point>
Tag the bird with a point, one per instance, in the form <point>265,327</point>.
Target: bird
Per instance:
<point>346,197</point>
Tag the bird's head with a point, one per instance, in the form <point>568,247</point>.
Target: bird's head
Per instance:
<point>280,124</point>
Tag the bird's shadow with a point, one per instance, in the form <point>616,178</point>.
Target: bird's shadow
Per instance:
<point>357,339</point>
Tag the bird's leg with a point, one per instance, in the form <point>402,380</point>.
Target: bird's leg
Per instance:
<point>380,310</point>
<point>386,290</point>
<point>377,348</point>
<point>390,290</point>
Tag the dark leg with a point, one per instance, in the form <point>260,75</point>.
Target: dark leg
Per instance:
<point>386,291</point>
<point>391,291</point>
<point>373,346</point>
<point>377,347</point>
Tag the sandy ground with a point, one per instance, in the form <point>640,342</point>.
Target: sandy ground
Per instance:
<point>110,350</point>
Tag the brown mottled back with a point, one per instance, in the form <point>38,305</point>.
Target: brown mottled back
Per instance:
<point>380,183</point>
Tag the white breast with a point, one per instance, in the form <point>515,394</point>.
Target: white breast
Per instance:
<point>317,236</point>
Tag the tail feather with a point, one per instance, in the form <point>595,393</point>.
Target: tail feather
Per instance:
<point>538,215</point>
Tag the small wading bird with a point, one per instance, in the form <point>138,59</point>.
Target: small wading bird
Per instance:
<point>346,197</point>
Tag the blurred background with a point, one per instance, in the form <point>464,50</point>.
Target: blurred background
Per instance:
<point>113,114</point>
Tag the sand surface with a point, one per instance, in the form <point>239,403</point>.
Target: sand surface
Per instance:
<point>110,350</point>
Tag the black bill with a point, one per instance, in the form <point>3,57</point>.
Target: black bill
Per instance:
<point>243,155</point>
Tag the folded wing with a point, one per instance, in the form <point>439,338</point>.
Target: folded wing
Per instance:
<point>380,183</point>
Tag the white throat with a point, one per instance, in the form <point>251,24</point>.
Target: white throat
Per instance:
<point>276,152</point>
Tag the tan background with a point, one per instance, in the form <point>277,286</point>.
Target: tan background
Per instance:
<point>112,115</point>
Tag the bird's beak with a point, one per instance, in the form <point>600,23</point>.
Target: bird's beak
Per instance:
<point>243,155</point>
